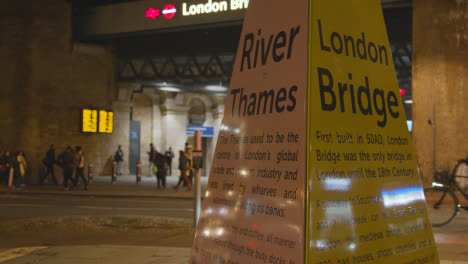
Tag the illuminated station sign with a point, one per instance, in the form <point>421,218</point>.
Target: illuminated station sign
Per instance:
<point>94,121</point>
<point>169,11</point>
<point>213,7</point>
<point>148,15</point>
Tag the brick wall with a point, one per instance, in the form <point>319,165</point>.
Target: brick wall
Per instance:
<point>45,83</point>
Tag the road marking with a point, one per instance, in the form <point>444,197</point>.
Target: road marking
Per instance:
<point>455,239</point>
<point>100,207</point>
<point>17,253</point>
<point>26,205</point>
<point>135,209</point>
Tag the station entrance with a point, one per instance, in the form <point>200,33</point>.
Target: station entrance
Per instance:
<point>174,64</point>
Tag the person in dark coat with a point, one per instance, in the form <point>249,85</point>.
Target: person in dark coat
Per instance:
<point>49,162</point>
<point>152,158</point>
<point>119,158</point>
<point>68,166</point>
<point>160,162</point>
<point>6,165</point>
<point>17,177</point>
<point>169,156</point>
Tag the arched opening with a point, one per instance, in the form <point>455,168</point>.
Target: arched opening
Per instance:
<point>197,114</point>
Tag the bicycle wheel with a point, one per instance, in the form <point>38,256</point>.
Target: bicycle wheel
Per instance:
<point>442,205</point>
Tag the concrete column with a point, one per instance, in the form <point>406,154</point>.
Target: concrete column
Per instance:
<point>440,84</point>
<point>143,112</point>
<point>157,123</point>
<point>121,109</point>
<point>121,134</point>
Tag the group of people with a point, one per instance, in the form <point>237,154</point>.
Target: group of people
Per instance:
<point>13,166</point>
<point>71,161</point>
<point>160,163</point>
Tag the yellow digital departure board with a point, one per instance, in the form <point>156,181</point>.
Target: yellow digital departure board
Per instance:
<point>106,121</point>
<point>89,120</point>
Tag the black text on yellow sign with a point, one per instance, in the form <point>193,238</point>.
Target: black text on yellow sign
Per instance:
<point>93,123</point>
<point>106,121</point>
<point>89,120</point>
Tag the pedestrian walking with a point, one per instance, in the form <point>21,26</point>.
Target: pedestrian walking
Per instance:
<point>68,164</point>
<point>119,158</point>
<point>22,166</point>
<point>161,164</point>
<point>49,161</point>
<point>18,173</point>
<point>169,154</point>
<point>5,166</point>
<point>152,158</point>
<point>181,167</point>
<point>188,153</point>
<point>80,160</point>
<point>184,167</point>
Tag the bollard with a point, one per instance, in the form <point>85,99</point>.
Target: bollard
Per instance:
<point>10,179</point>
<point>114,172</point>
<point>138,173</point>
<point>90,173</point>
<point>197,187</point>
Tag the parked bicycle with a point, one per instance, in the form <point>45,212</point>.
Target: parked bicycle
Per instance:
<point>442,202</point>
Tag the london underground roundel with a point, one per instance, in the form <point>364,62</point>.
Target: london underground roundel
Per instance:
<point>169,11</point>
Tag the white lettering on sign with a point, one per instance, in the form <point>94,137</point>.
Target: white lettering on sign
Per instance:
<point>210,7</point>
<point>239,4</point>
<point>213,7</point>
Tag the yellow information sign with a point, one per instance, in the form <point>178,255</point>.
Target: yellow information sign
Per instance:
<point>366,203</point>
<point>89,122</point>
<point>314,162</point>
<point>106,121</point>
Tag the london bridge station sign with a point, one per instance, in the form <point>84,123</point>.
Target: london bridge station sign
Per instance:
<point>150,15</point>
<point>314,162</point>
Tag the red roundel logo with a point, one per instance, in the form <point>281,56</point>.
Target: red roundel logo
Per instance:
<point>169,11</point>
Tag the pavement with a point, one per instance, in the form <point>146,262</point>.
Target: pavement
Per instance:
<point>452,240</point>
<point>96,255</point>
<point>125,186</point>
<point>108,254</point>
<point>18,207</point>
<point>49,197</point>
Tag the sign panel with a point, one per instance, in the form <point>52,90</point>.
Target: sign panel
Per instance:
<point>94,121</point>
<point>106,121</point>
<point>197,159</point>
<point>254,206</point>
<point>314,162</point>
<point>147,15</point>
<point>206,131</point>
<point>366,203</point>
<point>89,120</point>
